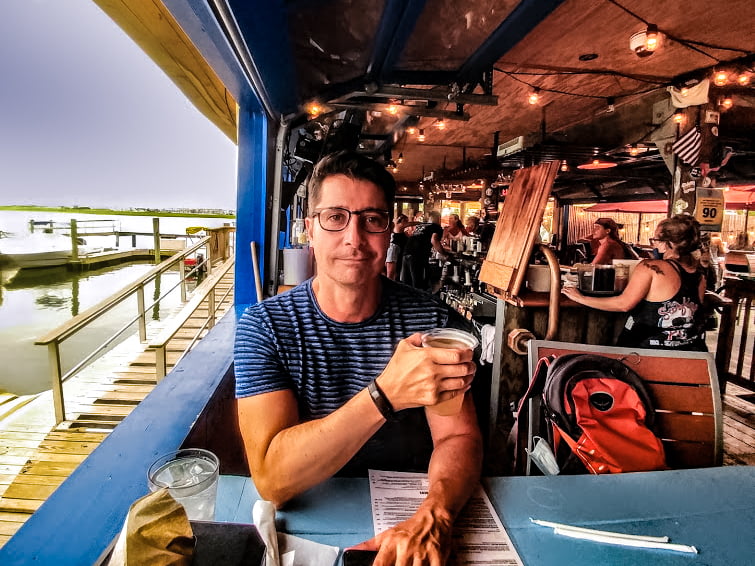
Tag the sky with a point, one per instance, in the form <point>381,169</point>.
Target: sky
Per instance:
<point>87,119</point>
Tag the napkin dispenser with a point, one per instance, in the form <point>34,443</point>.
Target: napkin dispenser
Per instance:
<point>227,544</point>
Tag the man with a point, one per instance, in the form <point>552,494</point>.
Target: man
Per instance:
<point>395,256</point>
<point>331,377</point>
<point>425,239</point>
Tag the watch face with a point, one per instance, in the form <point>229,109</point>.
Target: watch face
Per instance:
<point>489,192</point>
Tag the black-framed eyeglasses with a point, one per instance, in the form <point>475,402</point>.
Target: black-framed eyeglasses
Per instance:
<point>654,241</point>
<point>335,219</point>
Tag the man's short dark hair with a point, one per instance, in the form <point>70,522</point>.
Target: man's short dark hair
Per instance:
<point>355,166</point>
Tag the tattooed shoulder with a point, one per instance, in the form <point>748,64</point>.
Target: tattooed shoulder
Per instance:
<point>656,268</point>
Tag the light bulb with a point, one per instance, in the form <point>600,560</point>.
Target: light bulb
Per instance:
<point>393,109</point>
<point>411,130</point>
<point>421,136</point>
<point>743,79</point>
<point>678,117</point>
<point>313,108</point>
<point>651,38</point>
<point>400,157</point>
<point>634,150</point>
<point>564,166</point>
<point>726,102</point>
<point>720,78</point>
<point>441,124</point>
<point>534,97</point>
<point>684,91</point>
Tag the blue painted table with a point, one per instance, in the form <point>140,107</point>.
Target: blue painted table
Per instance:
<point>712,509</point>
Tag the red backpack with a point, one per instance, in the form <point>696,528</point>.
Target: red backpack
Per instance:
<point>596,414</point>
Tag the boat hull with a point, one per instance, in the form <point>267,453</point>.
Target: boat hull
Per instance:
<point>52,258</point>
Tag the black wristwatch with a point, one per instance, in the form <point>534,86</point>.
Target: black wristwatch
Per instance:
<point>381,401</point>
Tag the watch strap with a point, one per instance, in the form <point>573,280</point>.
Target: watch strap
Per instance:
<point>381,401</point>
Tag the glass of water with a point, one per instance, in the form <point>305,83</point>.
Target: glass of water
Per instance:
<point>191,476</point>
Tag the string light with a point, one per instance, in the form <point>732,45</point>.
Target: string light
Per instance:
<point>313,108</point>
<point>678,117</point>
<point>392,109</point>
<point>634,150</point>
<point>400,158</point>
<point>411,130</point>
<point>726,102</point>
<point>534,97</point>
<point>651,38</point>
<point>743,79</point>
<point>440,124</point>
<point>564,166</point>
<point>421,136</point>
<point>720,78</point>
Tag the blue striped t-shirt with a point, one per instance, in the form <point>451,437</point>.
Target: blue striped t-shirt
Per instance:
<point>287,342</point>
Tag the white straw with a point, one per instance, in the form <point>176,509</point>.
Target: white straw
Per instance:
<point>597,532</point>
<point>622,541</point>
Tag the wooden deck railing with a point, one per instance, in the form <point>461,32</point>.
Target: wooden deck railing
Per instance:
<point>55,338</point>
<point>206,291</point>
<point>736,340</point>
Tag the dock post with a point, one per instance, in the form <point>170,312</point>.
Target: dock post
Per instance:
<point>142,314</point>
<point>53,354</point>
<point>74,240</point>
<point>156,235</point>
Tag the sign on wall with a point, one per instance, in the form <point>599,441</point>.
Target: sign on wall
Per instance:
<point>709,209</point>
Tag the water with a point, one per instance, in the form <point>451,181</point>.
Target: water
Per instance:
<point>192,482</point>
<point>37,301</point>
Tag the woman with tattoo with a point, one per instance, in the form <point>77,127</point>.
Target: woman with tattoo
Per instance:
<point>664,296</point>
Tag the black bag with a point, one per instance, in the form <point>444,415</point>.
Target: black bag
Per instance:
<point>595,413</point>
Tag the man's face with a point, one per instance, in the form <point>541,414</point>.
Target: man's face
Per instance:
<point>352,256</point>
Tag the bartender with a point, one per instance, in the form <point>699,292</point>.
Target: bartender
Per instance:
<point>605,237</point>
<point>665,296</point>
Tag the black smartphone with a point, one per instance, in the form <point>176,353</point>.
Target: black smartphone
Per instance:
<point>359,557</point>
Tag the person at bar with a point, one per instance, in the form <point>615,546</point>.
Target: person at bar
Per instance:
<point>664,296</point>
<point>395,256</point>
<point>605,237</point>
<point>332,378</point>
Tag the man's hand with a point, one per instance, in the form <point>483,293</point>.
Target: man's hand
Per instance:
<point>417,376</point>
<point>423,539</point>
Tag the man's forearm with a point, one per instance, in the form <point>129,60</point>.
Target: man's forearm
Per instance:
<point>454,472</point>
<point>305,454</point>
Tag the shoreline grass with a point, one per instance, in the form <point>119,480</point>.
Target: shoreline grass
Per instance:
<point>104,211</point>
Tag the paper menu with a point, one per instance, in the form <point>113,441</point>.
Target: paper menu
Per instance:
<point>479,536</point>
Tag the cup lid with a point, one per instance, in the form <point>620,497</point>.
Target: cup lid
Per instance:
<point>452,334</point>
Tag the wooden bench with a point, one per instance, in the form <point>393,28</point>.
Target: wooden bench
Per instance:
<point>684,390</point>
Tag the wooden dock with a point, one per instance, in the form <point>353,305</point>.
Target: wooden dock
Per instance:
<point>36,456</point>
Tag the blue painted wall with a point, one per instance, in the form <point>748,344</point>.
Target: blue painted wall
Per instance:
<point>251,217</point>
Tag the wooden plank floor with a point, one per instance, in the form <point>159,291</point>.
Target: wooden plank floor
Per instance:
<point>36,456</point>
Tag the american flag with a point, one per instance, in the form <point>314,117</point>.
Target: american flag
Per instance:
<point>687,147</point>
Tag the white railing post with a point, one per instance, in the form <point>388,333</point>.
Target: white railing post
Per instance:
<point>211,308</point>
<point>182,276</point>
<point>142,314</point>
<point>53,354</point>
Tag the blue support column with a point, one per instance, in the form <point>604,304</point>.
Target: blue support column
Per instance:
<point>251,209</point>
